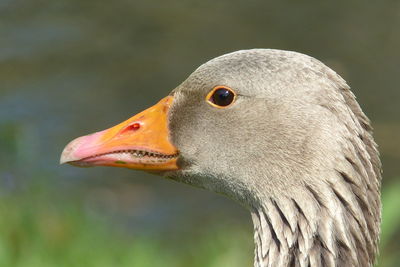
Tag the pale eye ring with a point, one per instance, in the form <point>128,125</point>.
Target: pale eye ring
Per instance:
<point>221,96</point>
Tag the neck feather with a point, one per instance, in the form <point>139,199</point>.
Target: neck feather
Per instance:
<point>316,228</point>
<point>332,218</point>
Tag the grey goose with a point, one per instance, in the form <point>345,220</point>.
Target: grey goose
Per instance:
<point>277,131</point>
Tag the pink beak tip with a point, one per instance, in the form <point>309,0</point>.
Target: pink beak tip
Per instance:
<point>68,153</point>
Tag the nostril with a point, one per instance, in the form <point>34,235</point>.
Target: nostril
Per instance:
<point>133,127</point>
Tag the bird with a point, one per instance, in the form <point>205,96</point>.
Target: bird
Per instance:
<point>277,131</point>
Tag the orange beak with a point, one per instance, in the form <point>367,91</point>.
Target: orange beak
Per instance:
<point>141,142</point>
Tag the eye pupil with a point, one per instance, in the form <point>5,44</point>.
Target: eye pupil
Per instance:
<point>222,97</point>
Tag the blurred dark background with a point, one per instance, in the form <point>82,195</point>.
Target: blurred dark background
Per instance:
<point>68,68</point>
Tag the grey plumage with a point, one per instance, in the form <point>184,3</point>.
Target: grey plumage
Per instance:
<point>295,149</point>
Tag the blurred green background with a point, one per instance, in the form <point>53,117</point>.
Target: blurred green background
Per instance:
<point>69,67</point>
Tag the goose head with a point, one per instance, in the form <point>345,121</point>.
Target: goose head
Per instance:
<point>277,131</point>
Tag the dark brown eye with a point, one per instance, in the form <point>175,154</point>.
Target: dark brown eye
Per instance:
<point>221,97</point>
